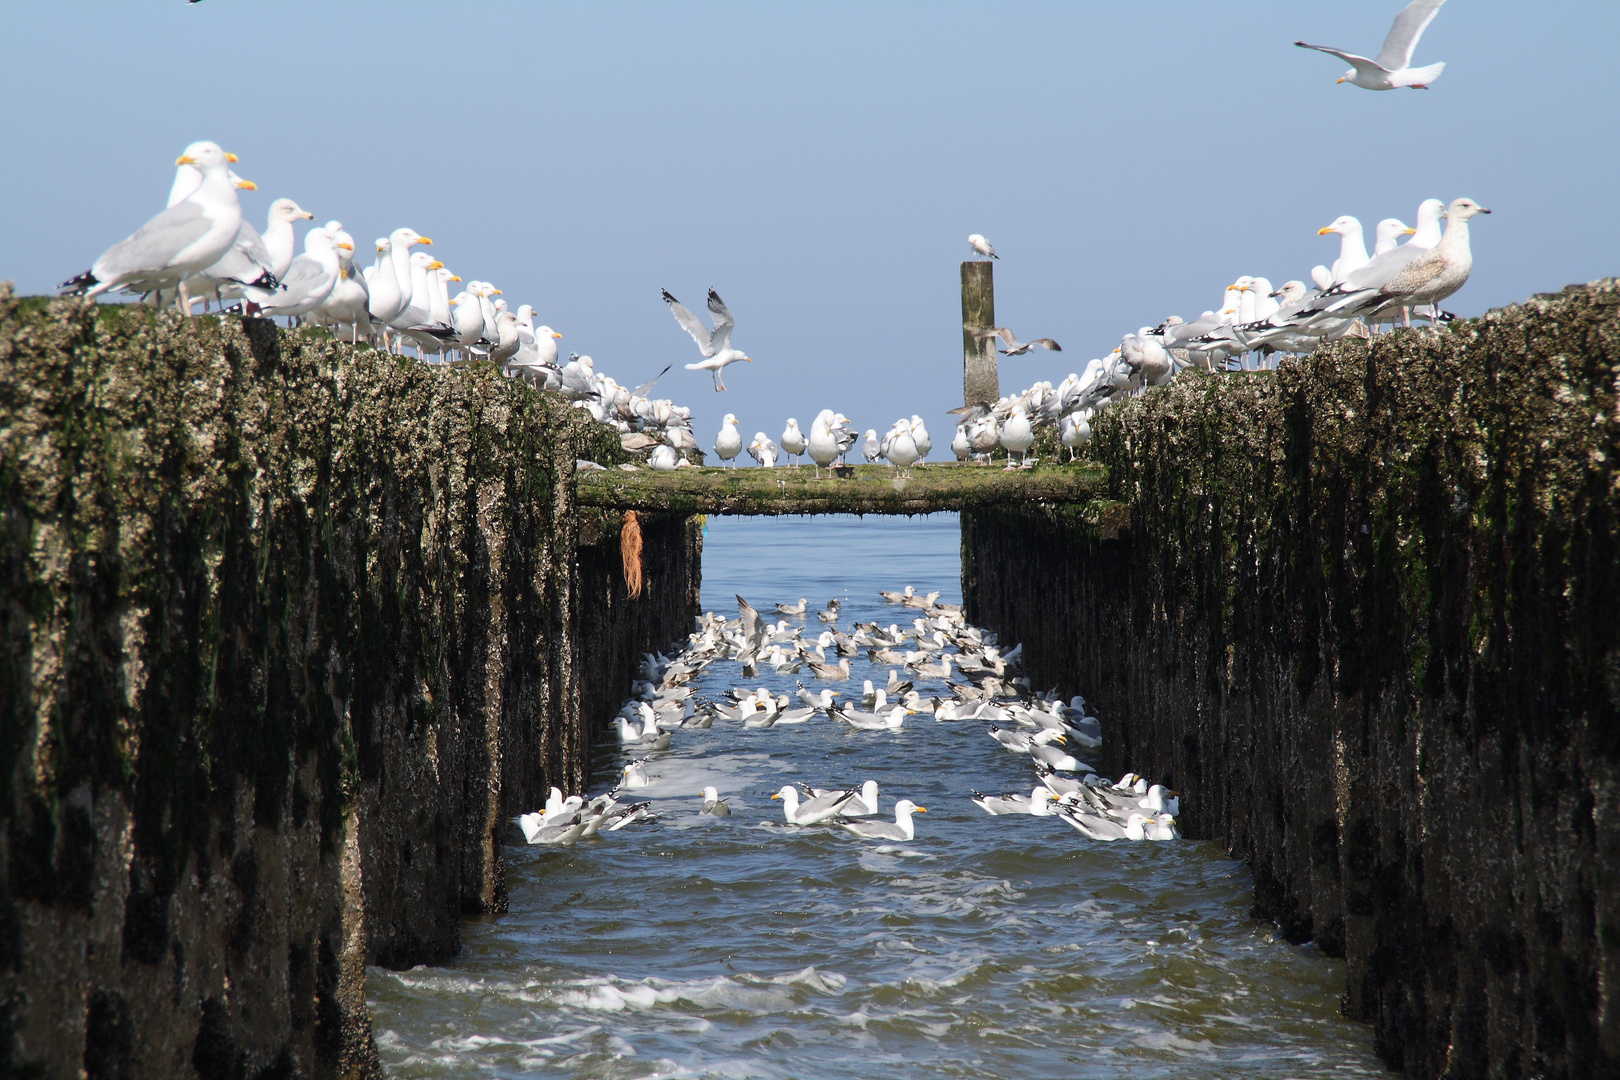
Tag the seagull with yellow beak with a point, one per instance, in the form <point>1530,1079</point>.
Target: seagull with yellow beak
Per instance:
<point>187,238</point>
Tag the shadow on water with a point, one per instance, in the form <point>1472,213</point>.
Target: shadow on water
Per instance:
<point>743,947</point>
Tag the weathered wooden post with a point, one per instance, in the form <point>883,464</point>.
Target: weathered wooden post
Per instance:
<point>980,381</point>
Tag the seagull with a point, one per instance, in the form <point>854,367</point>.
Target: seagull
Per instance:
<point>793,442</point>
<point>763,450</point>
<point>1014,346</point>
<point>982,246</point>
<point>664,458</point>
<point>864,804</point>
<point>184,239</point>
<point>900,829</point>
<point>728,444</point>
<point>714,344</point>
<point>810,812</point>
<point>1393,67</point>
<point>713,804</point>
<point>792,609</point>
<point>871,449</point>
<point>1038,802</point>
<point>309,279</point>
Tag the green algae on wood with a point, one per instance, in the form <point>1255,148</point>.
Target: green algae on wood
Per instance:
<point>860,489</point>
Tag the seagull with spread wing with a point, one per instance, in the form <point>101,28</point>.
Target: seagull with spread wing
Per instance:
<point>714,344</point>
<point>1014,346</point>
<point>1393,67</point>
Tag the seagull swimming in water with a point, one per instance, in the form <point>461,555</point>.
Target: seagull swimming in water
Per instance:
<point>1393,68</point>
<point>714,344</point>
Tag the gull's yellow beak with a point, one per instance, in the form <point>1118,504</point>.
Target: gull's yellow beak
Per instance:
<point>247,185</point>
<point>555,334</point>
<point>455,277</point>
<point>1408,232</point>
<point>1337,81</point>
<point>306,214</point>
<point>231,157</point>
<point>922,809</point>
<point>1244,288</point>
<point>750,359</point>
<point>496,292</point>
<point>435,264</point>
<point>777,796</point>
<point>1324,230</point>
<point>346,247</point>
<point>424,240</point>
<point>185,159</point>
<point>381,248</point>
<point>453,303</point>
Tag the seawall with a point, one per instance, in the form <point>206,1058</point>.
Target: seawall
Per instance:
<point>290,629</point>
<point>1364,612</point>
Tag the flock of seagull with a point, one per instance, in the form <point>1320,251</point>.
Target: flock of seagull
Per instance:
<point>201,248</point>
<point>937,645</point>
<point>1255,323</point>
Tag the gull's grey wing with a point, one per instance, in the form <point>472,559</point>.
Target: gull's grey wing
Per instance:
<point>1047,343</point>
<point>154,244</point>
<point>1404,33</point>
<point>723,322</point>
<point>690,324</point>
<point>753,626</point>
<point>1360,63</point>
<point>641,391</point>
<point>247,262</point>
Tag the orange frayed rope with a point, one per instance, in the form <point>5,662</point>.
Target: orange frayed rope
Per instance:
<point>630,548</point>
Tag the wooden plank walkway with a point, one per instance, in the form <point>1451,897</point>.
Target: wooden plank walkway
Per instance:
<point>860,489</point>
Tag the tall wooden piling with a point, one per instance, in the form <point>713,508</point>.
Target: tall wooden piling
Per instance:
<point>980,381</point>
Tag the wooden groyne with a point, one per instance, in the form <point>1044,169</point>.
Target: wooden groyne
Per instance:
<point>290,629</point>
<point>1365,614</point>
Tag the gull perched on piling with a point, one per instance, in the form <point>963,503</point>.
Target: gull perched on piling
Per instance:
<point>1393,68</point>
<point>728,444</point>
<point>715,345</point>
<point>184,239</point>
<point>793,441</point>
<point>982,246</point>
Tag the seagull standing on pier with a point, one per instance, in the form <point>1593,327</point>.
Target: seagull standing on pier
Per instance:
<point>714,344</point>
<point>728,444</point>
<point>1393,67</point>
<point>183,240</point>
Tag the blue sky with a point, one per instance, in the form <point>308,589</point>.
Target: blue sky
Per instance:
<point>821,165</point>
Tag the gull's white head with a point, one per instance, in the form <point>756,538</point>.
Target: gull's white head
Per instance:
<point>1388,233</point>
<point>1290,292</point>
<point>1341,225</point>
<point>289,211</point>
<point>408,238</point>
<point>730,420</point>
<point>1463,209</point>
<point>205,156</point>
<point>906,807</point>
<point>546,331</point>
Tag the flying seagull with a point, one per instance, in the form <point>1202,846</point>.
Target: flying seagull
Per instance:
<point>1392,68</point>
<point>1014,346</point>
<point>714,344</point>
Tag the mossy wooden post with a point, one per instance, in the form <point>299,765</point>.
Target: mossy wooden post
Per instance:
<point>980,381</point>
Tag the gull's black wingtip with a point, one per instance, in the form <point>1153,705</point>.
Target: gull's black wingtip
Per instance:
<point>76,285</point>
<point>668,299</point>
